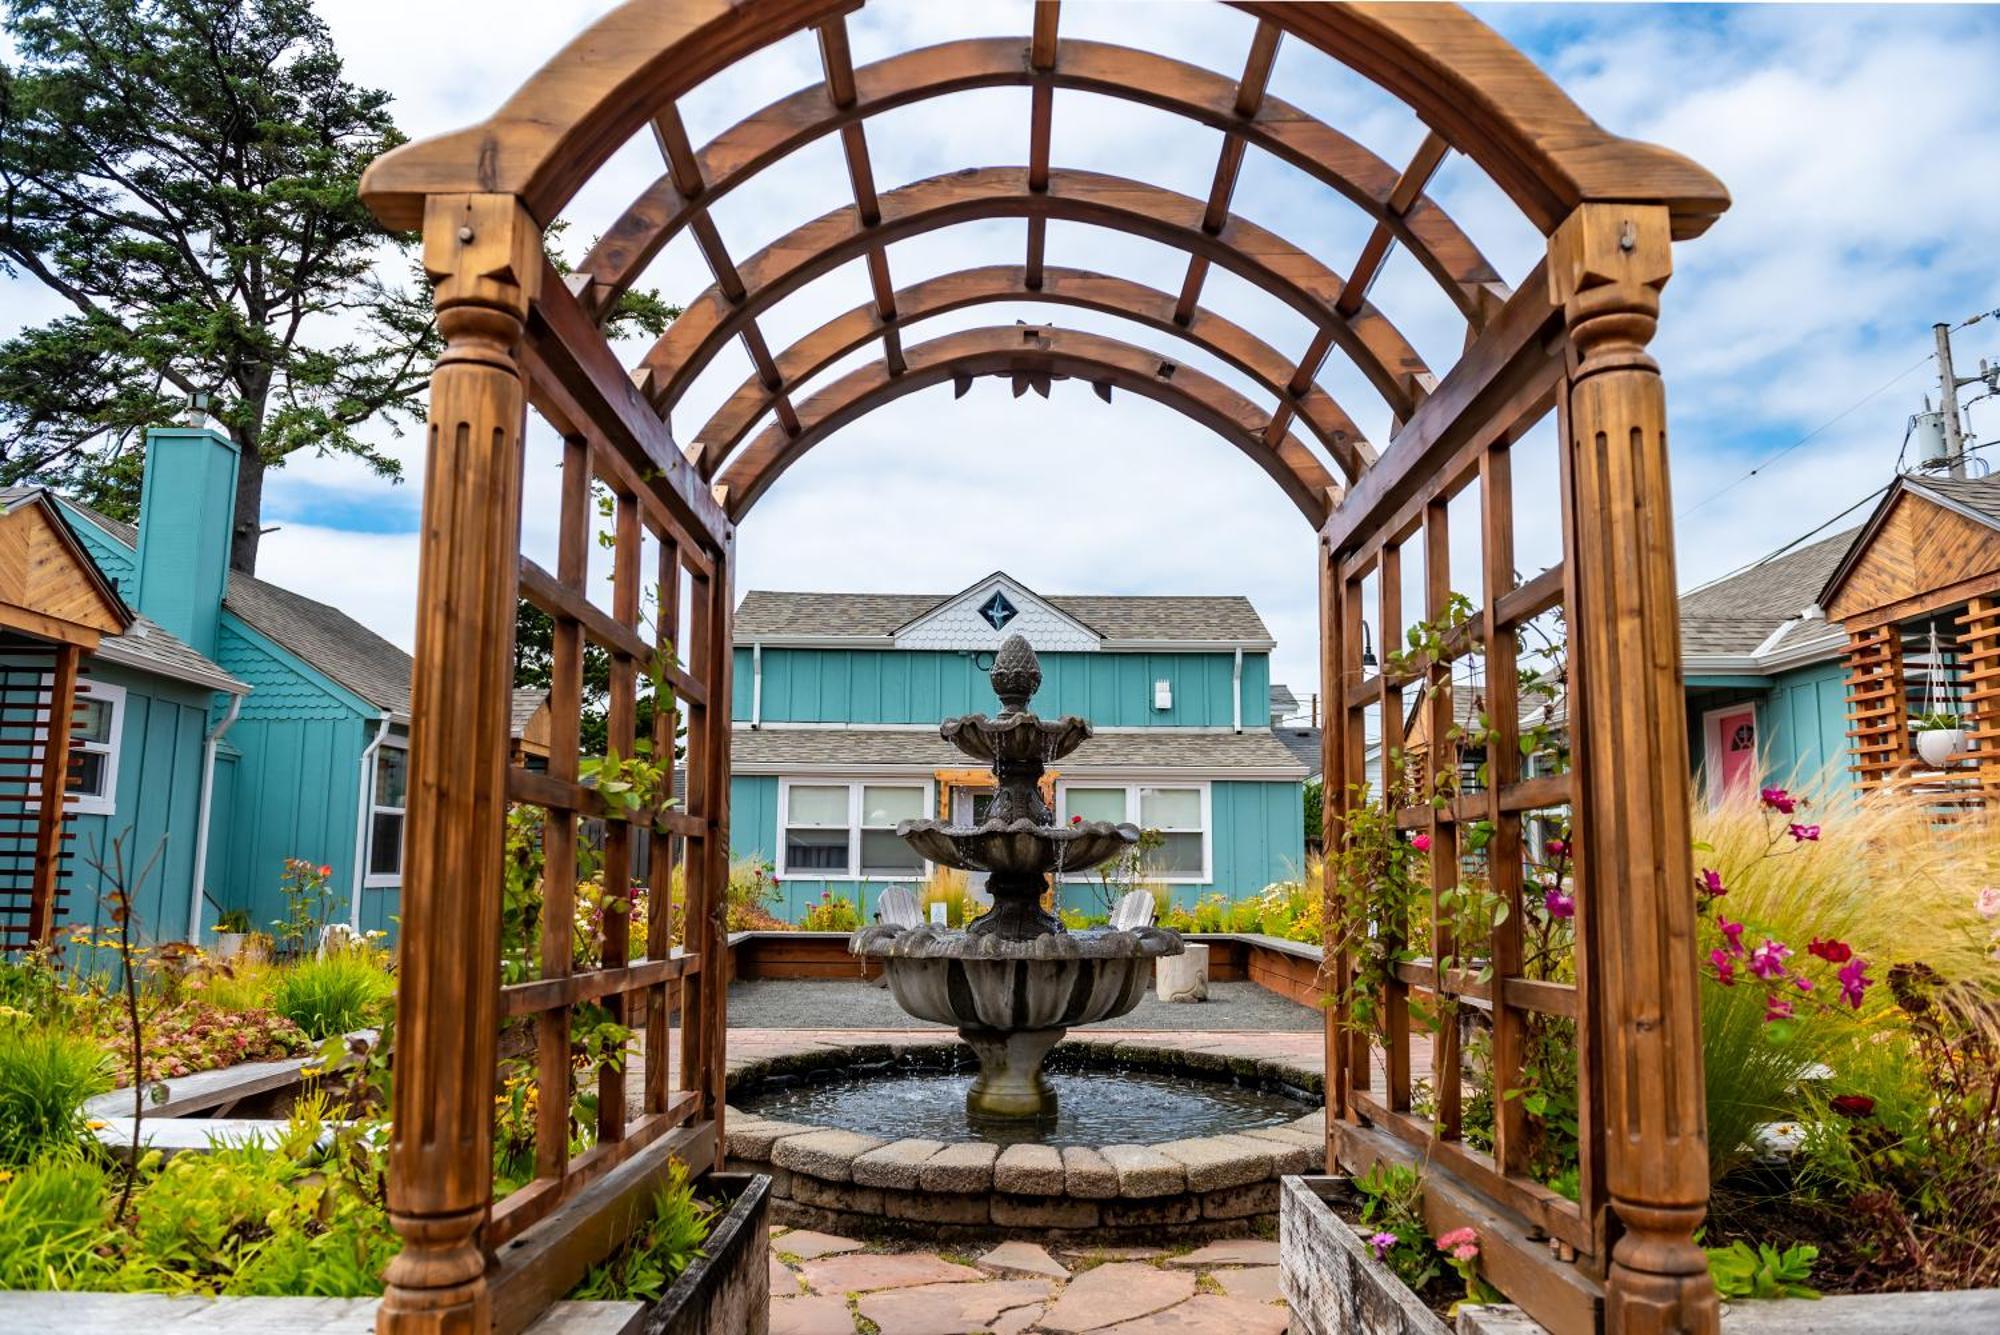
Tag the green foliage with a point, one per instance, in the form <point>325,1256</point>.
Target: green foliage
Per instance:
<point>308,905</point>
<point>52,1217</point>
<point>1763,1272</point>
<point>46,1075</point>
<point>233,920</point>
<point>1938,719</point>
<point>1392,1205</point>
<point>1379,875</point>
<point>1315,808</point>
<point>656,1254</point>
<point>833,913</point>
<point>340,991</point>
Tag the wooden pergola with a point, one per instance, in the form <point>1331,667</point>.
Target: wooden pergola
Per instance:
<point>1571,338</point>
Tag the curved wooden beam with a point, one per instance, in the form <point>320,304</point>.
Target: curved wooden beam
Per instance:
<point>1454,72</point>
<point>1258,256</point>
<point>1149,306</point>
<point>1286,132</point>
<point>1033,354</point>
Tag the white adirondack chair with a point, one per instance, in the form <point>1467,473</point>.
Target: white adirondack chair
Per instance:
<point>898,907</point>
<point>1134,910</point>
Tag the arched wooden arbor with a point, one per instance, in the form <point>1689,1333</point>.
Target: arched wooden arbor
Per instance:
<point>1572,339</point>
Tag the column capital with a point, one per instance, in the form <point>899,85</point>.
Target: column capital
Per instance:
<point>1607,264</point>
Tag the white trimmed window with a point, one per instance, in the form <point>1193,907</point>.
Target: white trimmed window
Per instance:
<point>1179,812</point>
<point>847,831</point>
<point>388,797</point>
<point>94,730</point>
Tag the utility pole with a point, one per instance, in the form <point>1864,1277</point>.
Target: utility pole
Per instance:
<point>1954,434</point>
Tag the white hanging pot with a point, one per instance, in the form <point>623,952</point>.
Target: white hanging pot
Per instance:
<point>1939,745</point>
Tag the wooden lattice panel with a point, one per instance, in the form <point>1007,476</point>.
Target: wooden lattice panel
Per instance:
<point>38,687</point>
<point>1979,660</point>
<point>1878,718</point>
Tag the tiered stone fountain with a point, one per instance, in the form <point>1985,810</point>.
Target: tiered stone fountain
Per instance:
<point>1014,980</point>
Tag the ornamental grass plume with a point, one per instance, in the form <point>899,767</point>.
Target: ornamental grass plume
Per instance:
<point>1878,884</point>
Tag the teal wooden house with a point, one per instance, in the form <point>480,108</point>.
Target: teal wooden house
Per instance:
<point>236,723</point>
<point>838,697</point>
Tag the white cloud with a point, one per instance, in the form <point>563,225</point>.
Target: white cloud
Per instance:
<point>1862,146</point>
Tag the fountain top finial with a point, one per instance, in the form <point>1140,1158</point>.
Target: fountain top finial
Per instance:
<point>1016,674</point>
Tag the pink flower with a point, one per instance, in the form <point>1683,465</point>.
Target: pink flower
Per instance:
<point>1779,801</point>
<point>1725,967</point>
<point>1732,934</point>
<point>1777,1008</point>
<point>1461,1243</point>
<point>1802,983</point>
<point>1832,951</point>
<point>1987,902</point>
<point>1768,960</point>
<point>1805,834</point>
<point>1076,820</point>
<point>1559,904</point>
<point>1711,883</point>
<point>1421,842</point>
<point>1382,1242</point>
<point>1855,982</point>
<point>1556,848</point>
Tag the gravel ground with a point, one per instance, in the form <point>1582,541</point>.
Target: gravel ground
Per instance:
<point>837,1003</point>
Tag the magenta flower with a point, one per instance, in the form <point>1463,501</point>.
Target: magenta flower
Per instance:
<point>1777,1008</point>
<point>1805,834</point>
<point>1768,960</point>
<point>1559,904</point>
<point>1987,902</point>
<point>1382,1242</point>
<point>1711,883</point>
<point>1779,801</point>
<point>1732,934</point>
<point>1855,982</point>
<point>1802,983</point>
<point>1725,967</point>
<point>1556,848</point>
<point>1421,842</point>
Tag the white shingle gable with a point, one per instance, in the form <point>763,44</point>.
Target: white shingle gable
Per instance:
<point>961,622</point>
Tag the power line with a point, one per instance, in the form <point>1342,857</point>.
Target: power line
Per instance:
<point>1769,557</point>
<point>1766,463</point>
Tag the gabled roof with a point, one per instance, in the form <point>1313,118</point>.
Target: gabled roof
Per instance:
<point>326,638</point>
<point>1139,750</point>
<point>766,614</point>
<point>150,647</point>
<point>527,700</point>
<point>1974,498</point>
<point>1737,616</point>
<point>1283,703</point>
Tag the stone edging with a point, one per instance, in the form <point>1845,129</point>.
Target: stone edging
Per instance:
<point>1205,1186</point>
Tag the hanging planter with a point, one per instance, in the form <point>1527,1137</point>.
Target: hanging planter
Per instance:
<point>1940,736</point>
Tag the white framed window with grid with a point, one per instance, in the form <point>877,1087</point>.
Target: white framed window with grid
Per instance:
<point>388,796</point>
<point>1179,811</point>
<point>845,830</point>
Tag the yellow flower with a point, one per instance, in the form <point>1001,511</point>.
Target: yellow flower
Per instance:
<point>308,1072</point>
<point>96,1124</point>
<point>6,1175</point>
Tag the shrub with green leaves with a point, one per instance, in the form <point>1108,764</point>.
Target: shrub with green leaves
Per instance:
<point>337,993</point>
<point>1741,1271</point>
<point>654,1257</point>
<point>51,1222</point>
<point>46,1074</point>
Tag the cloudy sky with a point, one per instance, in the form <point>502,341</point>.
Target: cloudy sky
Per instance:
<point>1862,145</point>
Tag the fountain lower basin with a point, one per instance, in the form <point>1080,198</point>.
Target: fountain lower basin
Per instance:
<point>1012,1001</point>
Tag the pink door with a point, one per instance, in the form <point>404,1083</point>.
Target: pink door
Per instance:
<point>1736,759</point>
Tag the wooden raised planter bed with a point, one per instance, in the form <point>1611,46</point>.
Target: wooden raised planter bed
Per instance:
<point>728,1290</point>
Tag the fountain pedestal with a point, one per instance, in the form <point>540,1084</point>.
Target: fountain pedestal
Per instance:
<point>1014,981</point>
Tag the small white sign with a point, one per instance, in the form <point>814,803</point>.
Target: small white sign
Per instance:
<point>937,914</point>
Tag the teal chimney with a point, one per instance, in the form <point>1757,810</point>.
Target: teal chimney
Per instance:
<point>186,515</point>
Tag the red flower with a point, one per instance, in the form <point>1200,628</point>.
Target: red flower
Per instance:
<point>326,871</point>
<point>1853,1105</point>
<point>1421,842</point>
<point>1076,820</point>
<point>1556,848</point>
<point>1833,952</point>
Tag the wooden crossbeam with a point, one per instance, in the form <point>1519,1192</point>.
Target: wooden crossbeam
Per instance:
<point>837,58</point>
<point>1250,90</point>
<point>1408,189</point>
<point>1041,120</point>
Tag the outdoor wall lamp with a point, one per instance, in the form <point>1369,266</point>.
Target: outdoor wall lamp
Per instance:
<point>1367,646</point>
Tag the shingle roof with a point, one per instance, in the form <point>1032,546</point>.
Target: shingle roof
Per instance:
<point>1735,615</point>
<point>771,749</point>
<point>1981,494</point>
<point>527,699</point>
<point>1304,743</point>
<point>1283,703</point>
<point>327,638</point>
<point>148,646</point>
<point>768,613</point>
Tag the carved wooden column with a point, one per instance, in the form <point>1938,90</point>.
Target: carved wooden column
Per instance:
<point>1607,263</point>
<point>483,253</point>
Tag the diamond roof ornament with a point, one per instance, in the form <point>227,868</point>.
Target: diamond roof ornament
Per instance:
<point>997,610</point>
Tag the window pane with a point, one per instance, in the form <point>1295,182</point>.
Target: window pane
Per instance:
<point>884,805</point>
<point>817,804</point>
<point>1170,808</point>
<point>1096,803</point>
<point>385,847</point>
<point>1179,855</point>
<point>883,854</point>
<point>815,850</point>
<point>392,775</point>
<point>91,721</point>
<point>88,767</point>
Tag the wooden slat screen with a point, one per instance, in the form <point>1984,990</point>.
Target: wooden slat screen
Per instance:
<point>37,847</point>
<point>1979,640</point>
<point>1878,719</point>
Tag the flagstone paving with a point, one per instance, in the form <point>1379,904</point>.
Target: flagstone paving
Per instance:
<point>853,1287</point>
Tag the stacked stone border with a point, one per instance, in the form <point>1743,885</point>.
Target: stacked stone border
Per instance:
<point>845,1181</point>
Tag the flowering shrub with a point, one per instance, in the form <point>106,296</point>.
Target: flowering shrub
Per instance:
<point>308,905</point>
<point>832,913</point>
<point>199,1036</point>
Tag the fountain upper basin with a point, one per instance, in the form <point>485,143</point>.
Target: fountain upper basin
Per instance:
<point>1018,847</point>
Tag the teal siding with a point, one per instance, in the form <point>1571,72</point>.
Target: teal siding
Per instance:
<point>297,782</point>
<point>1801,724</point>
<point>157,808</point>
<point>114,558</point>
<point>1113,690</point>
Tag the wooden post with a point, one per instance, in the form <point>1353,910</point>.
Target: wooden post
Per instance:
<point>484,255</point>
<point>1333,809</point>
<point>1607,263</point>
<point>55,793</point>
